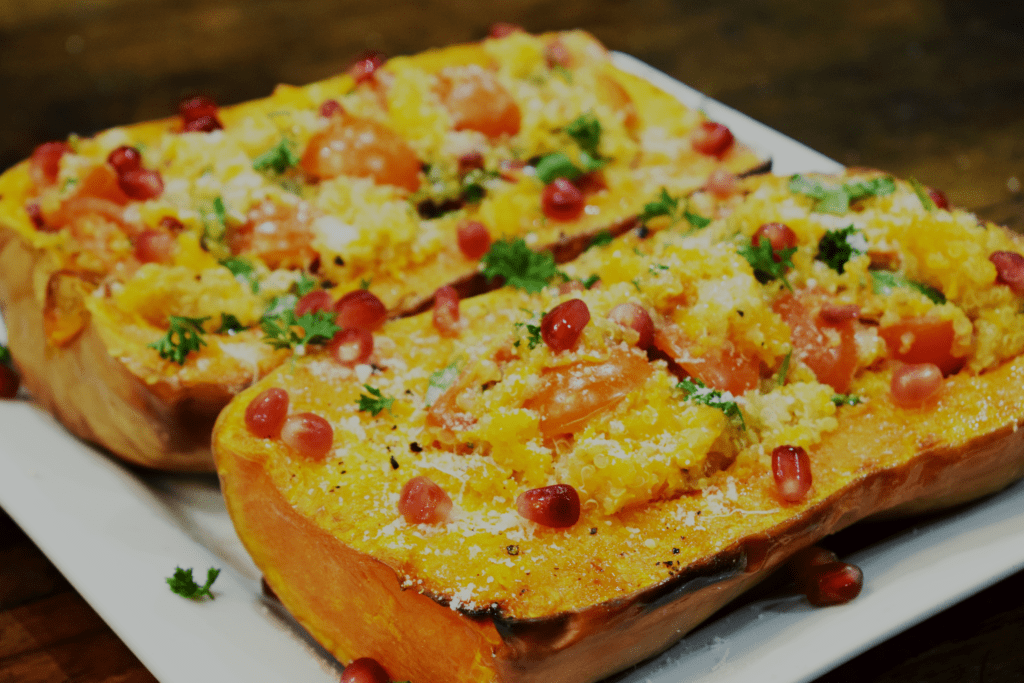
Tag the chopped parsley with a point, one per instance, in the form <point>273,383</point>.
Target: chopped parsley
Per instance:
<point>601,239</point>
<point>556,165</point>
<point>591,280</point>
<point>442,380</point>
<point>884,281</point>
<point>5,355</point>
<point>184,585</point>
<point>696,391</point>
<point>184,336</point>
<point>229,324</point>
<point>520,266</point>
<point>215,227</point>
<point>279,159</point>
<point>585,130</point>
<point>533,337</point>
<point>836,199</point>
<point>244,271</point>
<point>780,379</point>
<point>845,399</point>
<point>837,247</point>
<point>375,403</point>
<point>761,258</point>
<point>696,220</point>
<point>666,205</point>
<point>304,285</point>
<point>922,194</point>
<point>285,331</point>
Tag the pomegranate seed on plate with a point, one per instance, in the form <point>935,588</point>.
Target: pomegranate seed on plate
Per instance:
<point>265,414</point>
<point>938,198</point>
<point>351,347</point>
<point>140,183</point>
<point>125,158</point>
<point>914,383</point>
<point>364,670</point>
<point>204,124</point>
<point>360,309</point>
<point>424,502</point>
<point>712,139</point>
<point>779,235</point>
<point>365,65</point>
<point>196,107</point>
<point>561,327</point>
<point>636,317</point>
<point>446,311</point>
<point>44,165</point>
<point>833,583</point>
<point>562,201</point>
<point>792,470</point>
<point>801,563</point>
<point>474,239</point>
<point>311,302</point>
<point>154,246</point>
<point>309,434</point>
<point>501,29</point>
<point>1009,270</point>
<point>555,506</point>
<point>329,108</point>
<point>471,161</point>
<point>557,54</point>
<point>9,381</point>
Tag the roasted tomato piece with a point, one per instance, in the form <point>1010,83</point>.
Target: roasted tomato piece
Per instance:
<point>362,148</point>
<point>828,348</point>
<point>477,101</point>
<point>724,369</point>
<point>922,340</point>
<point>279,234</point>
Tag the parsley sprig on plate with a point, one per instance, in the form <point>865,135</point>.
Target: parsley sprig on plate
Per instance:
<point>520,266</point>
<point>184,585</point>
<point>184,336</point>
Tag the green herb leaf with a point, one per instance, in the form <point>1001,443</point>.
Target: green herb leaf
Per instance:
<point>922,194</point>
<point>285,331</point>
<point>836,199</point>
<point>585,129</point>
<point>520,266</point>
<point>533,337</point>
<point>591,280</point>
<point>761,258</point>
<point>184,585</point>
<point>784,370</point>
<point>563,72</point>
<point>220,211</point>
<point>375,402</point>
<point>884,281</point>
<point>845,399</point>
<point>243,270</point>
<point>5,355</point>
<point>656,268</point>
<point>696,391</point>
<point>184,336</point>
<point>696,220</point>
<point>304,285</point>
<point>837,247</point>
<point>442,380</point>
<point>876,187</point>
<point>280,158</point>
<point>664,205</point>
<point>556,165</point>
<point>229,324</point>
<point>600,239</point>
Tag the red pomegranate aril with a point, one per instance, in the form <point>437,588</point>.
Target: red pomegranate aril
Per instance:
<point>309,434</point>
<point>721,183</point>
<point>562,201</point>
<point>836,314</point>
<point>265,414</point>
<point>561,327</point>
<point>792,471</point>
<point>171,224</point>
<point>801,564</point>
<point>1009,270</point>
<point>503,29</point>
<point>636,317</point>
<point>779,235</point>
<point>204,124</point>
<point>125,158</point>
<point>360,309</point>
<point>364,670</point>
<point>557,54</point>
<point>35,214</point>
<point>154,246</point>
<point>311,302</point>
<point>446,311</point>
<point>914,383</point>
<point>471,161</point>
<point>141,183</point>
<point>9,381</point>
<point>329,108</point>
<point>424,502</point>
<point>365,65</point>
<point>197,107</point>
<point>833,583</point>
<point>44,165</point>
<point>351,347</point>
<point>474,239</point>
<point>712,139</point>
<point>939,199</point>
<point>556,506</point>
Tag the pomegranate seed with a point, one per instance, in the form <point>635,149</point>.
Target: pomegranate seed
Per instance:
<point>44,165</point>
<point>140,183</point>
<point>636,317</point>
<point>446,311</point>
<point>561,327</point>
<point>914,383</point>
<point>562,201</point>
<point>939,199</point>
<point>837,314</point>
<point>204,124</point>
<point>556,506</point>
<point>1009,270</point>
<point>424,502</point>
<point>792,470</point>
<point>9,381</point>
<point>364,670</point>
<point>154,246</point>
<point>779,235</point>
<point>35,214</point>
<point>365,65</point>
<point>474,239</point>
<point>351,347</point>
<point>360,309</point>
<point>309,434</point>
<point>311,302</point>
<point>833,583</point>
<point>471,161</point>
<point>265,415</point>
<point>721,183</point>
<point>171,224</point>
<point>329,108</point>
<point>197,107</point>
<point>712,139</point>
<point>805,560</point>
<point>125,158</point>
<point>502,29</point>
<point>557,54</point>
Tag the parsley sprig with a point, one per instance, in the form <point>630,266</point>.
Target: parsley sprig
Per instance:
<point>884,281</point>
<point>442,380</point>
<point>666,205</point>
<point>285,331</point>
<point>585,130</point>
<point>837,247</point>
<point>244,271</point>
<point>376,402</point>
<point>520,266</point>
<point>762,258</point>
<point>533,338</point>
<point>184,336</point>
<point>184,585</point>
<point>836,199</point>
<point>696,391</point>
<point>279,158</point>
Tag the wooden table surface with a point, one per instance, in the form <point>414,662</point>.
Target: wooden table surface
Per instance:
<point>923,88</point>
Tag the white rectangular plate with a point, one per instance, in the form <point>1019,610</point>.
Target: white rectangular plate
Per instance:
<point>117,534</point>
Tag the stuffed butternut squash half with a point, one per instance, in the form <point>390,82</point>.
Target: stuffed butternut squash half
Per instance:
<point>149,273</point>
<point>558,481</point>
